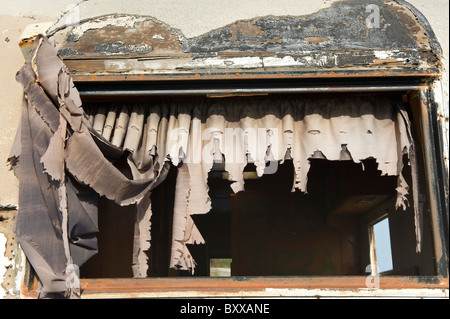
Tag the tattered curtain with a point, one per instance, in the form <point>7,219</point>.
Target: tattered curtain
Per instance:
<point>64,156</point>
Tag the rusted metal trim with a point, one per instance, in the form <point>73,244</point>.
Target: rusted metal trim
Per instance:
<point>248,285</point>
<point>260,283</point>
<point>243,86</point>
<point>87,77</point>
<point>435,172</point>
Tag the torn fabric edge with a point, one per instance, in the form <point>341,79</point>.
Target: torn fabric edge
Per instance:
<point>402,189</point>
<point>183,229</point>
<point>142,226</point>
<point>53,164</point>
<point>142,237</point>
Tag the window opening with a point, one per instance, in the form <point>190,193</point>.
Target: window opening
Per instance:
<point>381,251</point>
<point>268,230</point>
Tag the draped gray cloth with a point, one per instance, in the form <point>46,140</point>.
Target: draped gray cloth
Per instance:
<point>63,167</point>
<point>64,157</point>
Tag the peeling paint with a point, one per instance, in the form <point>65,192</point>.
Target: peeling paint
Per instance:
<point>12,259</point>
<point>282,62</point>
<point>119,47</point>
<point>220,63</point>
<point>316,39</point>
<point>235,64</point>
<point>120,36</point>
<point>119,21</point>
<point>287,44</point>
<point>279,34</point>
<point>323,30</point>
<point>410,22</point>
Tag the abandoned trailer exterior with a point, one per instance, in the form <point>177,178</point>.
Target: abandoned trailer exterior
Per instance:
<point>294,149</point>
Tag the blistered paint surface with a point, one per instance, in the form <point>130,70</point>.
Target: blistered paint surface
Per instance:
<point>347,35</point>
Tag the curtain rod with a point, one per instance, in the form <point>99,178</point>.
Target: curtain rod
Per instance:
<point>215,91</point>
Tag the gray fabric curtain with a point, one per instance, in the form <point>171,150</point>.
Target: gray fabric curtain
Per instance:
<point>66,154</point>
<point>63,167</point>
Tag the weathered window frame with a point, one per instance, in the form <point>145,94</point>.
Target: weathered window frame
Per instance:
<point>415,83</point>
<point>423,107</point>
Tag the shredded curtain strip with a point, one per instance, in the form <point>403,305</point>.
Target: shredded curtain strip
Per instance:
<point>64,156</point>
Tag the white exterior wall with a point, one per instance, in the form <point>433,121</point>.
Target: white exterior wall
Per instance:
<point>16,15</point>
